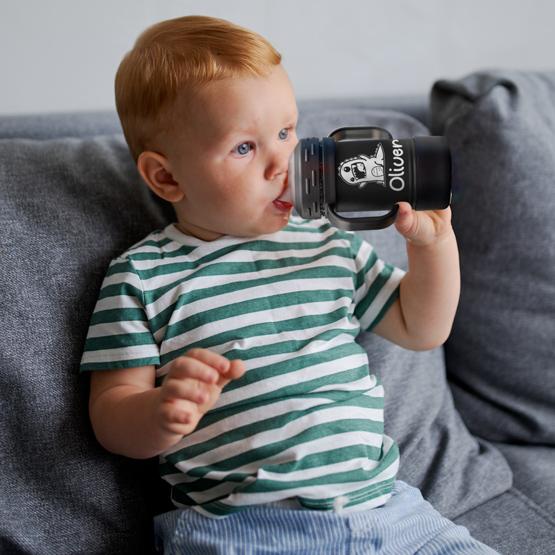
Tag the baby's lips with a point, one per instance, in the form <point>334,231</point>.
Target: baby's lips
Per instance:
<point>286,196</point>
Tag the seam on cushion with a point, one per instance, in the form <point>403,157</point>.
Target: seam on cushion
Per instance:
<point>533,505</point>
<point>523,498</point>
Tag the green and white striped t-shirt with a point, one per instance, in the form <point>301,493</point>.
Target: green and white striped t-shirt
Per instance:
<point>305,422</point>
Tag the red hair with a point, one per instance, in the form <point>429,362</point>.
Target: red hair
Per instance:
<point>176,58</point>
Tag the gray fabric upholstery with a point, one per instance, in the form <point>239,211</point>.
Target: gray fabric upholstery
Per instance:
<point>413,106</point>
<point>534,473</point>
<point>67,206</point>
<point>93,123</point>
<point>512,524</point>
<point>56,126</point>
<point>501,353</point>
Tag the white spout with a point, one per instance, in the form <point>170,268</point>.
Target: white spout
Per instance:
<point>286,195</point>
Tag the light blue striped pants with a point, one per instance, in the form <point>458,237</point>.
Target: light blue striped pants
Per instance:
<point>405,525</point>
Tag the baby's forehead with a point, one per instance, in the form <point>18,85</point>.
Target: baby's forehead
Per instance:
<point>241,105</point>
<point>228,125</point>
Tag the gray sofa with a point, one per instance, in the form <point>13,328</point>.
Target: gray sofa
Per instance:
<point>475,419</point>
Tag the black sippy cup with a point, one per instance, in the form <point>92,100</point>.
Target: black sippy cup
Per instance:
<point>363,169</point>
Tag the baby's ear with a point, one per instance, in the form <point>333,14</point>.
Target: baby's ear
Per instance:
<point>154,169</point>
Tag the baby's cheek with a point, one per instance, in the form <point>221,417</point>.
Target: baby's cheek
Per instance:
<point>239,201</point>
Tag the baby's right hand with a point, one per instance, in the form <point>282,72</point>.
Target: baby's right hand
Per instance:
<point>192,386</point>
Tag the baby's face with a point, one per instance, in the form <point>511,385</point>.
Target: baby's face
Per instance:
<point>231,159</point>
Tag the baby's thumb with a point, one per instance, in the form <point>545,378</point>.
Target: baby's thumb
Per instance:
<point>405,221</point>
<point>236,370</point>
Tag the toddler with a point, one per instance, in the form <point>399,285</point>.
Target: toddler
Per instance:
<point>225,343</point>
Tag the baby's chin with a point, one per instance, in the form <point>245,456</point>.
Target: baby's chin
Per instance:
<point>264,226</point>
<point>270,221</point>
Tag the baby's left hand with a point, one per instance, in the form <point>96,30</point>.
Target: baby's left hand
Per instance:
<point>423,228</point>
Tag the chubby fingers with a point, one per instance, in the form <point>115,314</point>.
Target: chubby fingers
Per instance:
<point>192,386</point>
<point>228,369</point>
<point>199,364</point>
<point>216,361</point>
<point>188,389</point>
<point>190,377</point>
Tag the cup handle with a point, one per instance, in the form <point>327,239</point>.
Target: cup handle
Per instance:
<point>359,224</point>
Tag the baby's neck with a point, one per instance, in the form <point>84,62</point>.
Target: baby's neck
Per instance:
<point>198,232</point>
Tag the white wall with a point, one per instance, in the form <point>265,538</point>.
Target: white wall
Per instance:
<point>60,55</point>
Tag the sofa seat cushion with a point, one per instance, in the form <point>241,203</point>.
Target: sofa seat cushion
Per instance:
<point>533,472</point>
<point>513,524</point>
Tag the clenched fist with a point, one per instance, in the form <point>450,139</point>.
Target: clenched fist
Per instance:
<point>192,386</point>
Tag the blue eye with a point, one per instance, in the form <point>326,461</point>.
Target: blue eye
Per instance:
<point>283,134</point>
<point>243,149</point>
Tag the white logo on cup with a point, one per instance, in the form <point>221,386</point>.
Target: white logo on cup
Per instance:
<point>363,169</point>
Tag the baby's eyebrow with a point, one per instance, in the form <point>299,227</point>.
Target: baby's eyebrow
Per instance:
<point>244,130</point>
<point>239,131</point>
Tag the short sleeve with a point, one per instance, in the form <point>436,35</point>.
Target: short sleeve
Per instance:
<point>119,335</point>
<point>376,284</point>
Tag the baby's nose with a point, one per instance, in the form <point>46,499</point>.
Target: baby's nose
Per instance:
<point>277,168</point>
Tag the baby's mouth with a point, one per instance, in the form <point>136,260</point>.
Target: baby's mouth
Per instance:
<point>283,201</point>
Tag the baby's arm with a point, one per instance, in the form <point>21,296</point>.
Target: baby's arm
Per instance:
<point>132,417</point>
<point>422,316</point>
